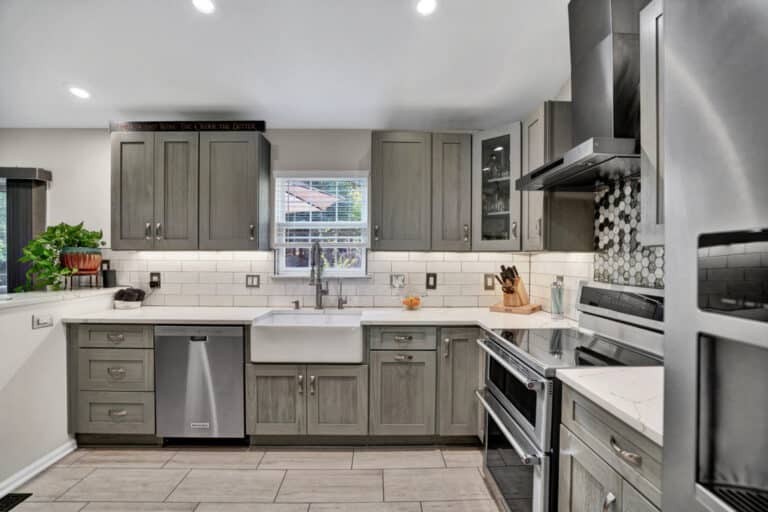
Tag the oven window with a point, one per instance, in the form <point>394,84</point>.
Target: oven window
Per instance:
<point>522,398</point>
<point>512,477</point>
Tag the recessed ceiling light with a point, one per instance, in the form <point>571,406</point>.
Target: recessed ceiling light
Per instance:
<point>79,93</point>
<point>204,6</point>
<point>426,7</point>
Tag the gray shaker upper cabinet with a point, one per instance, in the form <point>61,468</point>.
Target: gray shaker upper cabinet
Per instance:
<point>234,190</point>
<point>401,186</point>
<point>495,202</point>
<point>176,190</point>
<point>651,229</point>
<point>133,193</point>
<point>451,192</point>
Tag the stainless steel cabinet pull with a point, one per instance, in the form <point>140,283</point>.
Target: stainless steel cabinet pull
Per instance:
<point>376,232</point>
<point>311,384</point>
<point>403,339</point>
<point>148,231</point>
<point>115,338</point>
<point>403,357</point>
<point>158,231</point>
<point>447,345</point>
<point>118,413</point>
<point>609,500</point>
<point>514,230</point>
<point>630,457</point>
<point>116,372</point>
<point>300,378</point>
<point>538,226</point>
<point>466,232</point>
<point>252,231</point>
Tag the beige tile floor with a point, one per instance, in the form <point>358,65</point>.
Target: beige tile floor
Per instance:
<point>263,480</point>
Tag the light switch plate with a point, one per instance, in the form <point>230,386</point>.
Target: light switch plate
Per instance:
<point>397,280</point>
<point>253,281</point>
<point>42,321</point>
<point>431,281</point>
<point>489,282</point>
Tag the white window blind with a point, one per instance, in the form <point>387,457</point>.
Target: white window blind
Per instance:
<point>325,207</point>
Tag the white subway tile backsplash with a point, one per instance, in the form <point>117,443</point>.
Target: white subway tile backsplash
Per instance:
<point>198,289</point>
<point>198,266</point>
<point>426,256</point>
<point>399,267</point>
<point>217,277</point>
<point>250,301</point>
<point>164,266</point>
<point>444,266</point>
<point>180,277</point>
<point>460,301</point>
<point>217,300</point>
<point>182,300</point>
<point>233,266</point>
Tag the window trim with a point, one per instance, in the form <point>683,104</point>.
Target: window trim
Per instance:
<point>319,174</point>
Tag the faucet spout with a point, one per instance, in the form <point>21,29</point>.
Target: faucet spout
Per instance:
<point>316,274</point>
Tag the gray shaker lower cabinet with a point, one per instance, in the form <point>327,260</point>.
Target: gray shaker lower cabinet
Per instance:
<point>275,401</point>
<point>459,370</point>
<point>633,501</point>
<point>403,392</point>
<point>234,191</point>
<point>107,412</point>
<point>586,482</point>
<point>337,403</point>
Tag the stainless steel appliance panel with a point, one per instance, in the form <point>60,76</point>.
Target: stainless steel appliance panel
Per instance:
<point>199,381</point>
<point>716,160</point>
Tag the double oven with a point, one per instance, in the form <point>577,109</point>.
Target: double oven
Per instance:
<point>521,396</point>
<point>519,408</point>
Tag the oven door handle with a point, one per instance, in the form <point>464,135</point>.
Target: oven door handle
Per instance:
<point>529,459</point>
<point>531,384</point>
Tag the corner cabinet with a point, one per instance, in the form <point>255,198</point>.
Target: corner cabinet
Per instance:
<point>458,377</point>
<point>553,221</point>
<point>451,191</point>
<point>164,182</point>
<point>496,204</point>
<point>651,228</point>
<point>401,188</point>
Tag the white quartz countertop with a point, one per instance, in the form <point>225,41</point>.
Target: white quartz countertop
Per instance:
<point>480,317</point>
<point>635,395</point>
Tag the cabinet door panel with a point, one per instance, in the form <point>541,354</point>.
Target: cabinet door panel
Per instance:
<point>403,394</point>
<point>634,501</point>
<point>451,191</point>
<point>533,202</point>
<point>338,400</point>
<point>458,369</point>
<point>586,483</point>
<point>229,190</point>
<point>401,191</point>
<point>133,190</point>
<point>275,403</point>
<point>176,187</point>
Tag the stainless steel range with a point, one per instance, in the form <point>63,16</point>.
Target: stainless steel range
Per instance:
<point>619,326</point>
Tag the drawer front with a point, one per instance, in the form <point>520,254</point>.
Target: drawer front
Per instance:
<point>107,412</point>
<point>403,338</point>
<point>630,453</point>
<point>105,369</point>
<point>115,336</point>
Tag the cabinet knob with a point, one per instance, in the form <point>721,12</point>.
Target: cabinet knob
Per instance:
<point>608,502</point>
<point>158,231</point>
<point>466,232</point>
<point>403,357</point>
<point>447,345</point>
<point>376,232</point>
<point>300,378</point>
<point>148,231</point>
<point>252,231</point>
<point>514,230</point>
<point>311,384</point>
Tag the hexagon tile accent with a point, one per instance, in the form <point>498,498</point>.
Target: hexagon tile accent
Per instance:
<point>619,256</point>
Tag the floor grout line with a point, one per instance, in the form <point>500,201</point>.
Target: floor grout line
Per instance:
<point>279,487</point>
<point>177,485</point>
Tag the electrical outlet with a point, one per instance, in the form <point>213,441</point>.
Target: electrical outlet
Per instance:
<point>431,281</point>
<point>253,281</point>
<point>489,282</point>
<point>154,279</point>
<point>397,280</point>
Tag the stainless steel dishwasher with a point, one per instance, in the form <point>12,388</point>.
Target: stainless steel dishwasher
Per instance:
<point>199,381</point>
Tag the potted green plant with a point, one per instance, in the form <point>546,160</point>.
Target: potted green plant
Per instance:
<point>60,251</point>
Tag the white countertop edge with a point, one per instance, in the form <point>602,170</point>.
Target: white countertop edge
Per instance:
<point>27,299</point>
<point>644,414</point>
<point>199,315</point>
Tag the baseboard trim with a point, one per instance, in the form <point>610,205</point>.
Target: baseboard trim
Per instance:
<point>25,474</point>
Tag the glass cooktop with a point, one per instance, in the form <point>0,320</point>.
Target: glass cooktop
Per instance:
<point>546,350</point>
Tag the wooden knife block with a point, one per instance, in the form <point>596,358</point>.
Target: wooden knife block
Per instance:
<point>517,302</point>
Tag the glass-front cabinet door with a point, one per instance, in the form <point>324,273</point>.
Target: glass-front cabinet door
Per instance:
<point>496,204</point>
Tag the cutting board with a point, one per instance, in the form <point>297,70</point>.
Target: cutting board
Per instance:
<point>519,310</point>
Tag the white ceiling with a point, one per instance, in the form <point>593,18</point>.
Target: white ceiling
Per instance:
<point>294,63</point>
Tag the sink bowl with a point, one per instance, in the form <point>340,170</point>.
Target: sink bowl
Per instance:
<point>307,337</point>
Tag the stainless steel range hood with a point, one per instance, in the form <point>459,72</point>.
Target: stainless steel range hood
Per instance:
<point>605,84</point>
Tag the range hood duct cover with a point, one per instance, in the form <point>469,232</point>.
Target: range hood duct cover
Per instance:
<point>605,85</point>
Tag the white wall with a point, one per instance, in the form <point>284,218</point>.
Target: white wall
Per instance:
<point>33,385</point>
